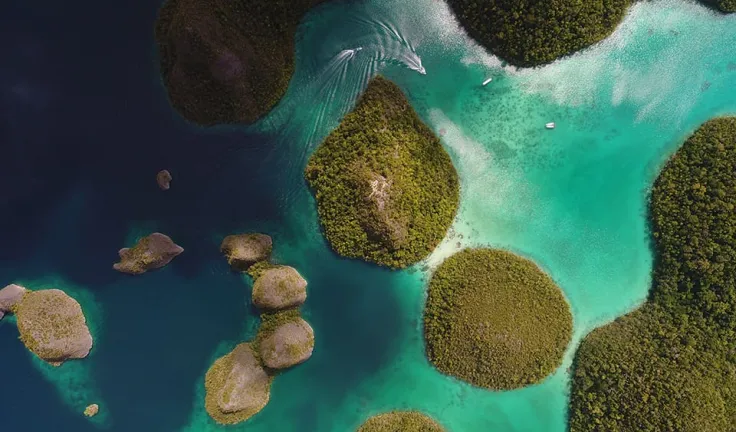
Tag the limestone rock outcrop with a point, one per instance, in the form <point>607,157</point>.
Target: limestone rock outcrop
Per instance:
<point>244,250</point>
<point>151,252</point>
<point>237,387</point>
<point>289,344</point>
<point>279,287</point>
<point>10,296</point>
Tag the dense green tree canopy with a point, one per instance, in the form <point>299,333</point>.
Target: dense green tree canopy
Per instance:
<point>534,32</point>
<point>227,61</point>
<point>386,189</point>
<point>671,365</point>
<point>694,227</point>
<point>495,320</point>
<point>723,5</point>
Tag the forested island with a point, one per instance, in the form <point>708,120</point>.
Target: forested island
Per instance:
<point>401,421</point>
<point>385,187</point>
<point>723,5</point>
<point>530,33</point>
<point>670,365</point>
<point>495,320</point>
<point>227,61</point>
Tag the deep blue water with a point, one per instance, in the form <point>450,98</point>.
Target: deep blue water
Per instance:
<point>84,123</point>
<point>84,127</point>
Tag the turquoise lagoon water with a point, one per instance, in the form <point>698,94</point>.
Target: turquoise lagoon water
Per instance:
<point>573,199</point>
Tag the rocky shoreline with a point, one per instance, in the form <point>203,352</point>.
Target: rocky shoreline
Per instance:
<point>237,385</point>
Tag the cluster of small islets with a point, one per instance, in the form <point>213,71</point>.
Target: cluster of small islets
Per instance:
<point>238,384</point>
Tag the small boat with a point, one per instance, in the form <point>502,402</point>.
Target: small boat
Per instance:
<point>487,81</point>
<point>550,125</point>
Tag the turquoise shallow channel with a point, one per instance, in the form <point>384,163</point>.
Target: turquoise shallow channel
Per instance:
<point>573,199</point>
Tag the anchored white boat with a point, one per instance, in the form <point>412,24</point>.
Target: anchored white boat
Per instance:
<point>550,125</point>
<point>487,81</point>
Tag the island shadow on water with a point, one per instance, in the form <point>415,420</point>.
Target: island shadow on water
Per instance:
<point>82,146</point>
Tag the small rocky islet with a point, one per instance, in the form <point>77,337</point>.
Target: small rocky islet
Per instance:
<point>529,33</point>
<point>91,410</point>
<point>279,287</point>
<point>51,324</point>
<point>284,339</point>
<point>163,179</point>
<point>244,250</point>
<point>237,385</point>
<point>149,253</point>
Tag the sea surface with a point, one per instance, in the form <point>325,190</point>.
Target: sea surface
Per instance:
<point>85,125</point>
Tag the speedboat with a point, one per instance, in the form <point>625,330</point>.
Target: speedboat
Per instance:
<point>487,81</point>
<point>550,125</point>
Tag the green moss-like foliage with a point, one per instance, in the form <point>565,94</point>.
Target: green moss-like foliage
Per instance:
<point>237,387</point>
<point>287,345</point>
<point>693,215</point>
<point>52,325</point>
<point>245,250</point>
<point>151,252</point>
<point>533,32</point>
<point>280,287</point>
<point>271,321</point>
<point>670,366</point>
<point>726,6</point>
<point>257,269</point>
<point>495,319</point>
<point>401,421</point>
<point>227,61</point>
<point>386,189</point>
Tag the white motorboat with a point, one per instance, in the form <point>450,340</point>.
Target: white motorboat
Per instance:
<point>487,81</point>
<point>550,125</point>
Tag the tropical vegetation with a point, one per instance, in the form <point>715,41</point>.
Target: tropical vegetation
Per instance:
<point>724,5</point>
<point>386,189</point>
<point>671,365</point>
<point>495,320</point>
<point>227,61</point>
